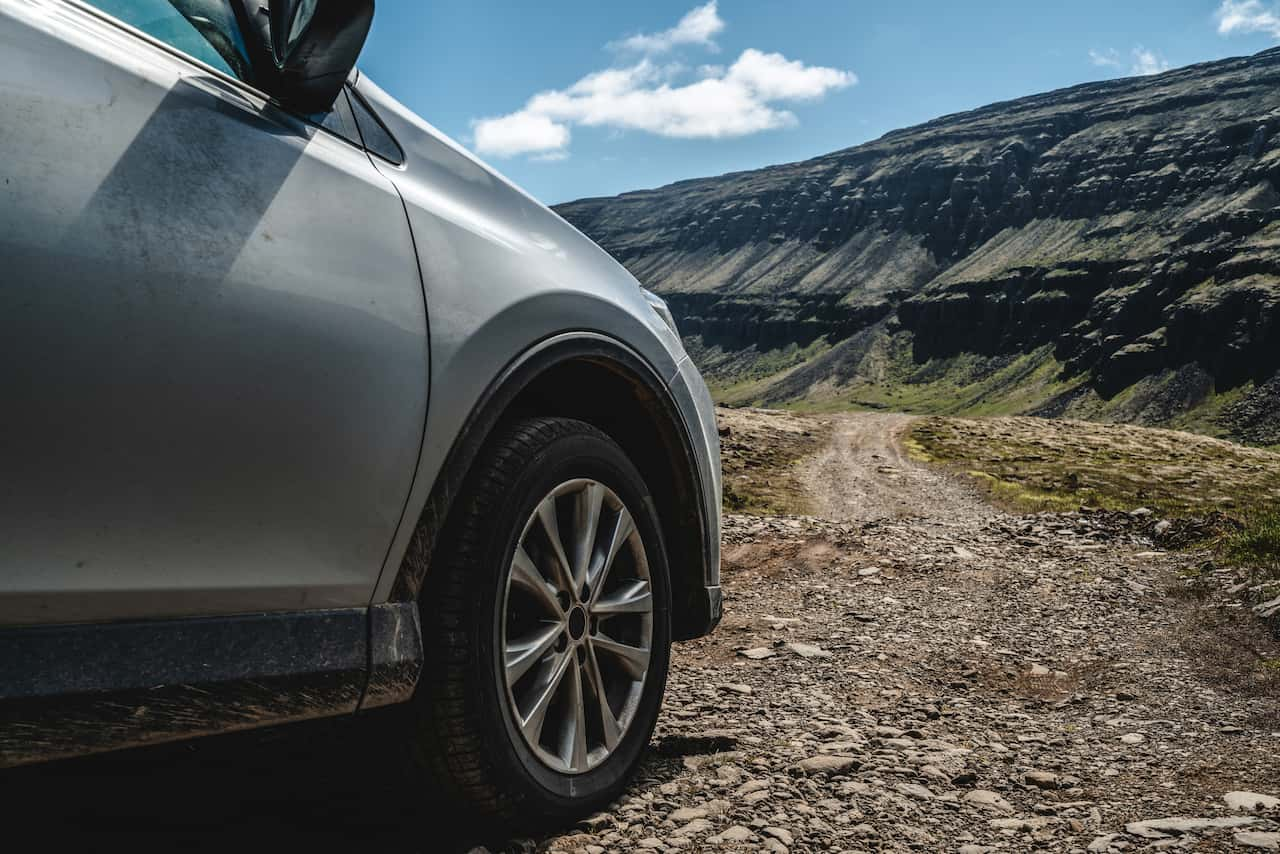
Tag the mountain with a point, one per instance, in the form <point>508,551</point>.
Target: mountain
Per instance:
<point>1107,251</point>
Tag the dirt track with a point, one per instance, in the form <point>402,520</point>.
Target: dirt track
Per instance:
<point>914,672</point>
<point>864,475</point>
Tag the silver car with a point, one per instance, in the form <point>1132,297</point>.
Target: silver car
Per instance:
<point>307,411</point>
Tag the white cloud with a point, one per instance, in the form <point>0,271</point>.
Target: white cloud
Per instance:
<point>519,133</point>
<point>1247,16</point>
<point>1109,58</point>
<point>699,27</point>
<point>1146,62</point>
<point>669,100</point>
<point>1142,61</point>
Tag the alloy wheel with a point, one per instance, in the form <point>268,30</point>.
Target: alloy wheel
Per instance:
<point>577,626</point>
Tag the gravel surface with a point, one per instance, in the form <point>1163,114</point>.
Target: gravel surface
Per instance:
<point>911,670</point>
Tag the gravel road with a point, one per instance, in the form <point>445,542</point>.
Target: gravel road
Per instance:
<point>915,671</point>
<point>907,670</point>
<point>864,475</point>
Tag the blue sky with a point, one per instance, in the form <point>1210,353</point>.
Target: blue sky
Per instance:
<point>574,99</point>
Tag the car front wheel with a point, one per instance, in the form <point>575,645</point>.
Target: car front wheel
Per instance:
<point>546,627</point>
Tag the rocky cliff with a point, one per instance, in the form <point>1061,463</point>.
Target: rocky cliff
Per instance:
<point>1111,250</point>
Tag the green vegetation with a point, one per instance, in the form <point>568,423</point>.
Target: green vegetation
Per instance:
<point>880,373</point>
<point>1258,544</point>
<point>759,453</point>
<point>738,377</point>
<point>1032,464</point>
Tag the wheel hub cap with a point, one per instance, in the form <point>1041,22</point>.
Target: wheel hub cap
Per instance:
<point>577,626</point>
<point>577,623</point>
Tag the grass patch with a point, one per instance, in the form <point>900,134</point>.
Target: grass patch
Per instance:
<point>1033,464</point>
<point>1257,545</point>
<point>760,451</point>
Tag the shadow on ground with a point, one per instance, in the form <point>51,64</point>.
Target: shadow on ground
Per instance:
<point>317,787</point>
<point>314,787</point>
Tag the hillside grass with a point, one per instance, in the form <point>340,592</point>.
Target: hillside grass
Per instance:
<point>883,375</point>
<point>1032,465</point>
<point>760,451</point>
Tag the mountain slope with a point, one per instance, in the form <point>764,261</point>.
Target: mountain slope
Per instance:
<point>1111,250</point>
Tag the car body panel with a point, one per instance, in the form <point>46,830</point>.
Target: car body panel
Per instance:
<point>215,374</point>
<point>503,273</point>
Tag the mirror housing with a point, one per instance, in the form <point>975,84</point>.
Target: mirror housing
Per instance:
<point>306,49</point>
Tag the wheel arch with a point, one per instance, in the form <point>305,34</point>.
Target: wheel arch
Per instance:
<point>593,378</point>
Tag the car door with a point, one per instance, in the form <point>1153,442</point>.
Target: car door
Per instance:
<point>213,354</point>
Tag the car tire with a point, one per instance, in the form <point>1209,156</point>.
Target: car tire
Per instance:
<point>518,653</point>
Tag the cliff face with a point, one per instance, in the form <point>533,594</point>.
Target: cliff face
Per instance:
<point>1123,236</point>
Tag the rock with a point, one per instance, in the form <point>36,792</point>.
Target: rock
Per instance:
<point>868,571</point>
<point>988,800</point>
<point>1133,738</point>
<point>736,688</point>
<point>686,814</point>
<point>757,653</point>
<point>1103,843</point>
<point>694,827</point>
<point>914,790</point>
<point>1041,779</point>
<point>716,807</point>
<point>1158,828</point>
<point>826,764</point>
<point>1267,610</point>
<point>737,833</point>
<point>781,834</point>
<point>1250,802</point>
<point>805,650</point>
<point>1258,839</point>
<point>975,849</point>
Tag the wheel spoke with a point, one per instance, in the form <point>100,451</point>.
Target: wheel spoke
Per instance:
<point>525,574</point>
<point>532,723</point>
<point>586,521</point>
<point>608,723</point>
<point>527,651</point>
<point>623,528</point>
<point>633,658</point>
<point>563,574</point>
<point>573,746</point>
<point>575,664</point>
<point>634,598</point>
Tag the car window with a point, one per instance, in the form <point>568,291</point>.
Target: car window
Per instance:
<point>203,29</point>
<point>377,138</point>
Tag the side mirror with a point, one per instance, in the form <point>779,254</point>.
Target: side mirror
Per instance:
<point>312,46</point>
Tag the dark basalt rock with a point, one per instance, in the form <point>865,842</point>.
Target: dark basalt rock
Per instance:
<point>1134,225</point>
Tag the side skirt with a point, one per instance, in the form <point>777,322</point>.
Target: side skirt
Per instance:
<point>71,690</point>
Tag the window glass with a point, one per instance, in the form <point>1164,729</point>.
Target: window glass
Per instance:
<point>203,29</point>
<point>376,137</point>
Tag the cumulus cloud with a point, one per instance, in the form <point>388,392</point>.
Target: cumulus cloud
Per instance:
<point>1247,16</point>
<point>1141,60</point>
<point>699,27</point>
<point>668,100</point>
<point>1147,62</point>
<point>519,133</point>
<point>1109,58</point>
